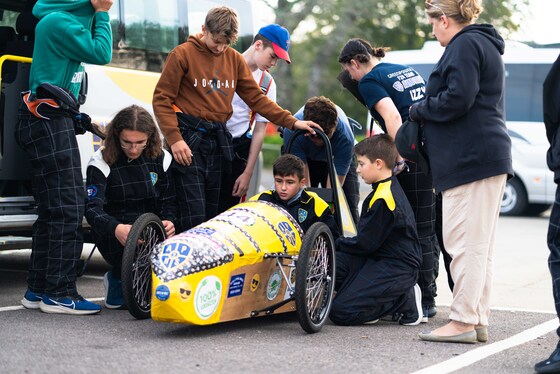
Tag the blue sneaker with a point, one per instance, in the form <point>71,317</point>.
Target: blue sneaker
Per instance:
<point>113,292</point>
<point>31,300</point>
<point>68,305</point>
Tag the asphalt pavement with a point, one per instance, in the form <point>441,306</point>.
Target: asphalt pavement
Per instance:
<point>522,330</point>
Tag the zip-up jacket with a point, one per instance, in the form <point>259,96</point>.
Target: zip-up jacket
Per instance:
<point>551,111</point>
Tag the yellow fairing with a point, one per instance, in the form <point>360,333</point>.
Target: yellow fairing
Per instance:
<point>217,272</point>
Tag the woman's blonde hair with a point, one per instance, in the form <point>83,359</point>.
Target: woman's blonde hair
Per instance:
<point>462,11</point>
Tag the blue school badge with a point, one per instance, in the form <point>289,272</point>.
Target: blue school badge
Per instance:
<point>91,191</point>
<point>154,177</point>
<point>302,215</point>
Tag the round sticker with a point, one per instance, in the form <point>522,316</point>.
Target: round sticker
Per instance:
<point>273,286</point>
<point>162,292</point>
<point>207,297</point>
<point>185,291</point>
<point>255,282</point>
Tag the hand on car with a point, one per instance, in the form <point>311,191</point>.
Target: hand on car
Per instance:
<point>306,125</point>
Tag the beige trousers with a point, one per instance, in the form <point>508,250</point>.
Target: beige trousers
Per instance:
<point>470,216</point>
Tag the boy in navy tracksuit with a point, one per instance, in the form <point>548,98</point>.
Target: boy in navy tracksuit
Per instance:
<point>377,270</point>
<point>289,182</point>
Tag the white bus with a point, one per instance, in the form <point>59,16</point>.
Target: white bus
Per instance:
<point>144,32</point>
<point>532,189</point>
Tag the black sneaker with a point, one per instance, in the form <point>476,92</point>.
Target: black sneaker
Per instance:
<point>411,311</point>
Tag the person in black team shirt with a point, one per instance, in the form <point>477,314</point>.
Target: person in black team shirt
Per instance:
<point>289,182</point>
<point>377,270</point>
<point>126,178</point>
<point>388,90</point>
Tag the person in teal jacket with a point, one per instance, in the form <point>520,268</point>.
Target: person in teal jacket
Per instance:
<point>69,34</point>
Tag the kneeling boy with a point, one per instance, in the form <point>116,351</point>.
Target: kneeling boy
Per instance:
<point>289,192</point>
<point>377,270</point>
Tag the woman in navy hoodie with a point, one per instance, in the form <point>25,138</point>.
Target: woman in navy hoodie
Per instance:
<point>469,152</point>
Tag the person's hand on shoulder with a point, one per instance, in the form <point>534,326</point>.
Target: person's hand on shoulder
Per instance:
<point>101,5</point>
<point>307,126</point>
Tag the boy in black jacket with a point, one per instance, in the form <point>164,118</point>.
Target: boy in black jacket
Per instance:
<point>377,270</point>
<point>289,182</point>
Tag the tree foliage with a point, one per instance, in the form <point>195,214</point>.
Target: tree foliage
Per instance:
<point>398,24</point>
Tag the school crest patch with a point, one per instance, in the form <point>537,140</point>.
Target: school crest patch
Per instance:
<point>302,215</point>
<point>154,177</point>
<point>91,191</point>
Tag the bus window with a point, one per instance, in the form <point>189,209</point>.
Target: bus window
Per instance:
<point>143,33</point>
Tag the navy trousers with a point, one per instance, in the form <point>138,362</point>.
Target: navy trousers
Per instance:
<point>59,193</point>
<point>420,193</point>
<point>368,289</point>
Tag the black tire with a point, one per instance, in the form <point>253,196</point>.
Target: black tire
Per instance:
<point>315,276</point>
<point>537,209</point>
<point>514,201</point>
<point>147,231</point>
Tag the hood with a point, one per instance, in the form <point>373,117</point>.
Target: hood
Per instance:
<point>201,46</point>
<point>82,9</point>
<point>489,32</point>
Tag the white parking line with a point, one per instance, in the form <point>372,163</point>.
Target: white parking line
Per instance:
<point>481,353</point>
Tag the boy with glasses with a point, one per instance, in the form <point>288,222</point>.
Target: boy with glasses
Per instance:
<point>126,178</point>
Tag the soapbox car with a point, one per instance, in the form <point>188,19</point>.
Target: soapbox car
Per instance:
<point>249,261</point>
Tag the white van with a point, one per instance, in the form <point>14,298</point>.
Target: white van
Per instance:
<point>532,190</point>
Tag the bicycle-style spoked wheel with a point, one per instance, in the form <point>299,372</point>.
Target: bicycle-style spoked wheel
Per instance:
<point>315,276</point>
<point>147,231</point>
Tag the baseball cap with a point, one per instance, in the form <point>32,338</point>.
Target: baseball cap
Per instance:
<point>409,144</point>
<point>280,39</point>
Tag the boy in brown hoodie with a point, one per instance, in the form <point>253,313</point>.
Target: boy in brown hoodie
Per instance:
<point>192,102</point>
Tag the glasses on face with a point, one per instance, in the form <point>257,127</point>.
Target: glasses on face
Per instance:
<point>125,144</point>
<point>438,8</point>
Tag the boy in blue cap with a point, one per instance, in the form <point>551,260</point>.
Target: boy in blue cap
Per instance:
<point>248,128</point>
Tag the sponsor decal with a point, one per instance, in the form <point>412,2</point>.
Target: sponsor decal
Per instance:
<point>174,255</point>
<point>236,285</point>
<point>288,232</point>
<point>302,215</point>
<point>185,291</point>
<point>154,177</point>
<point>255,282</point>
<point>207,296</point>
<point>162,292</point>
<point>91,191</point>
<point>273,286</point>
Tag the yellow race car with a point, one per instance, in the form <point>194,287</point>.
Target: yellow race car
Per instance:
<point>249,261</point>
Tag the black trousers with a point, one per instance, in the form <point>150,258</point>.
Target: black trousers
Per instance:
<point>60,196</point>
<point>421,196</point>
<point>241,147</point>
<point>368,289</point>
<point>553,241</point>
<point>319,172</point>
<point>197,186</point>
<point>111,250</point>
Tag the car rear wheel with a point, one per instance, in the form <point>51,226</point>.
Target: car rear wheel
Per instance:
<point>514,201</point>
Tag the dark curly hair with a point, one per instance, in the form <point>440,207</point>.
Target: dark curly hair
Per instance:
<point>133,118</point>
<point>322,111</point>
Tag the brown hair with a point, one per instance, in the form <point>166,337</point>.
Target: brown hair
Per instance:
<point>222,22</point>
<point>379,146</point>
<point>462,11</point>
<point>360,50</point>
<point>133,118</point>
<point>322,111</point>
<point>287,165</point>
<point>266,43</point>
